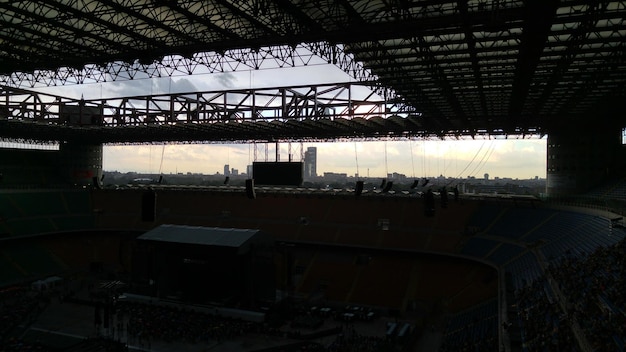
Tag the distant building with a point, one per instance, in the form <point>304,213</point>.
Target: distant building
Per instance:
<point>249,170</point>
<point>310,162</point>
<point>226,170</point>
<point>234,171</point>
<point>396,176</point>
<point>335,176</point>
<point>486,176</point>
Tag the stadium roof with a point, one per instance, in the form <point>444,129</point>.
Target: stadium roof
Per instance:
<point>462,67</point>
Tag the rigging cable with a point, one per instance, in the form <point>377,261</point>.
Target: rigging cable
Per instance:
<point>412,162</point>
<point>162,154</point>
<point>356,159</point>
<point>485,158</point>
<point>471,161</point>
<point>386,168</point>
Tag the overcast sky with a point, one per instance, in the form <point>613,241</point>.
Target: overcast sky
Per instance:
<point>514,158</point>
<point>521,159</point>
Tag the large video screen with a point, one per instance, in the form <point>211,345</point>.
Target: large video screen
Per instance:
<point>277,173</point>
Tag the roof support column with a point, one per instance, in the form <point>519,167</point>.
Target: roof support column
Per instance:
<point>584,155</point>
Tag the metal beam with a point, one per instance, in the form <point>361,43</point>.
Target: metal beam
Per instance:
<point>539,16</point>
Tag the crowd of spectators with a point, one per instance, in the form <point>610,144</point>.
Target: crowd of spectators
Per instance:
<point>487,343</point>
<point>352,341</point>
<point>19,306</point>
<point>349,341</point>
<point>472,330</point>
<point>544,326</point>
<point>310,346</point>
<point>17,345</point>
<point>590,295</point>
<point>594,287</point>
<point>469,343</point>
<point>147,322</point>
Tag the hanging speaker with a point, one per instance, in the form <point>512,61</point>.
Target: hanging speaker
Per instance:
<point>383,183</point>
<point>443,192</point>
<point>429,203</point>
<point>160,179</point>
<point>358,189</point>
<point>227,180</point>
<point>148,206</point>
<point>415,184</point>
<point>388,187</point>
<point>250,189</point>
<point>95,182</point>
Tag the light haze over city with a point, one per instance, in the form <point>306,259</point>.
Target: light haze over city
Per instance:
<point>522,159</point>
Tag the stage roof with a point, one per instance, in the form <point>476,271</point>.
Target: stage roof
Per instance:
<point>239,239</point>
<point>460,67</point>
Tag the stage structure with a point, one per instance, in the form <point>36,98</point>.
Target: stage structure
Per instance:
<point>205,265</point>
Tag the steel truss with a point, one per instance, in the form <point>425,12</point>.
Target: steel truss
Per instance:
<point>278,114</point>
<point>276,56</point>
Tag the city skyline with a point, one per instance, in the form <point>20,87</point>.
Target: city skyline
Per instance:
<point>503,158</point>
